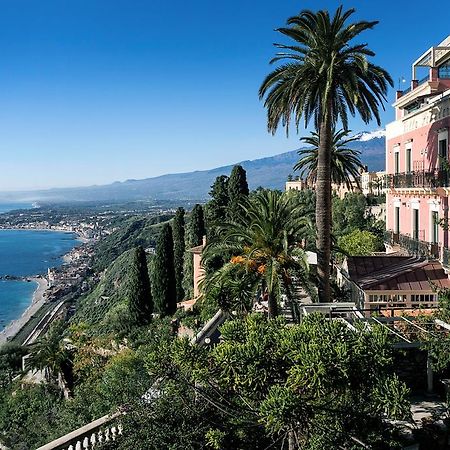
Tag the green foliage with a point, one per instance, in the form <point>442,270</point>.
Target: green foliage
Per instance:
<point>28,415</point>
<point>359,243</point>
<point>163,274</point>
<point>134,232</point>
<point>345,162</point>
<point>195,231</point>
<point>215,215</point>
<point>216,208</point>
<point>10,362</point>
<point>237,188</point>
<point>323,75</point>
<point>49,354</point>
<point>318,382</point>
<point>105,309</point>
<point>264,240</point>
<point>349,214</point>
<point>140,301</point>
<point>178,250</point>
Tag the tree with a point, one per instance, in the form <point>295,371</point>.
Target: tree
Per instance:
<point>50,354</point>
<point>319,382</point>
<point>237,188</point>
<point>324,76</point>
<point>350,213</point>
<point>345,162</point>
<point>140,301</point>
<point>216,208</point>
<point>263,238</point>
<point>178,250</point>
<point>359,243</point>
<point>215,215</point>
<point>163,274</point>
<point>194,237</point>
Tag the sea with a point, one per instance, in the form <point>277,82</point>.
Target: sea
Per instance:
<point>26,253</point>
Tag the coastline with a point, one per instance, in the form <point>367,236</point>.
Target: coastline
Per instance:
<point>38,299</point>
<point>79,237</point>
<point>36,303</point>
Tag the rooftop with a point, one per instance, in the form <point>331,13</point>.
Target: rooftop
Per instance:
<point>396,273</point>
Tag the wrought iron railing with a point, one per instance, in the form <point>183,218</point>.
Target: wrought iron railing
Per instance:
<point>446,257</point>
<point>413,246</point>
<point>418,179</point>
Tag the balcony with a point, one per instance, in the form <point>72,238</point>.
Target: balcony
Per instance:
<point>418,179</point>
<point>413,246</point>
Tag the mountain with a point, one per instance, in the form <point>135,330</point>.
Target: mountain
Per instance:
<point>270,172</point>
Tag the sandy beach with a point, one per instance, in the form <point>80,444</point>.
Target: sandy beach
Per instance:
<point>38,300</point>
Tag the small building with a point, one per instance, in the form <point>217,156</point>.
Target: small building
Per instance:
<point>383,282</point>
<point>296,185</point>
<point>198,275</point>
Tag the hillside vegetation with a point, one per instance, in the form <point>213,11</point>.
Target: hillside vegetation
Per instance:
<point>136,231</point>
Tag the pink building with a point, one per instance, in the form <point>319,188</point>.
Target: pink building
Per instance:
<point>417,160</point>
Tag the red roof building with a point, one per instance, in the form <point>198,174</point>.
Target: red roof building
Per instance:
<point>393,281</point>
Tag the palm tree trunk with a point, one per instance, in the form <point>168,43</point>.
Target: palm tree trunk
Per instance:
<point>272,306</point>
<point>323,207</point>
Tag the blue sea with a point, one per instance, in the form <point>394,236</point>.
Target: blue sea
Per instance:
<point>27,253</point>
<point>5,207</point>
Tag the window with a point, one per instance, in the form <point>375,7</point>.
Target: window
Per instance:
<point>444,70</point>
<point>397,162</point>
<point>397,220</point>
<point>434,227</point>
<point>415,230</point>
<point>442,151</point>
<point>408,160</point>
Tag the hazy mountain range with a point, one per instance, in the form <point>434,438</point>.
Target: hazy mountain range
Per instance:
<point>270,172</point>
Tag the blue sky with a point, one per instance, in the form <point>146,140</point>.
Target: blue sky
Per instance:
<point>97,91</point>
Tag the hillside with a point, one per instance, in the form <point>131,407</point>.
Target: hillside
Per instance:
<point>270,172</point>
<point>134,232</point>
<point>106,306</point>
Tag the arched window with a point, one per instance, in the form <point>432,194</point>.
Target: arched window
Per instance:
<point>444,70</point>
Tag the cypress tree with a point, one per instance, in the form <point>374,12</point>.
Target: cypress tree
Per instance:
<point>237,188</point>
<point>194,236</point>
<point>140,301</point>
<point>163,273</point>
<point>216,208</point>
<point>178,250</point>
<point>216,214</point>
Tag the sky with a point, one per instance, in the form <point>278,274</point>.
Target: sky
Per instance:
<point>93,92</point>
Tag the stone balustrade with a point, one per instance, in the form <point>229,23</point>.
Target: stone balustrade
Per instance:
<point>105,429</point>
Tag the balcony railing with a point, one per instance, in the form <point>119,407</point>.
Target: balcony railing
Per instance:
<point>413,246</point>
<point>419,179</point>
<point>446,257</point>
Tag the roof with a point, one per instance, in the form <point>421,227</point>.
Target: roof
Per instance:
<point>396,273</point>
<point>197,250</point>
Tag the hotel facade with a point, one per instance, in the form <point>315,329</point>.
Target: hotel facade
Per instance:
<point>417,181</point>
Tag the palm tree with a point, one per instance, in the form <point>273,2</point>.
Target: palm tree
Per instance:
<point>263,240</point>
<point>323,76</point>
<point>345,162</point>
<point>50,354</point>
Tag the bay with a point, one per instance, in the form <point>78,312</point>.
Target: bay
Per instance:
<point>6,207</point>
<point>26,253</point>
